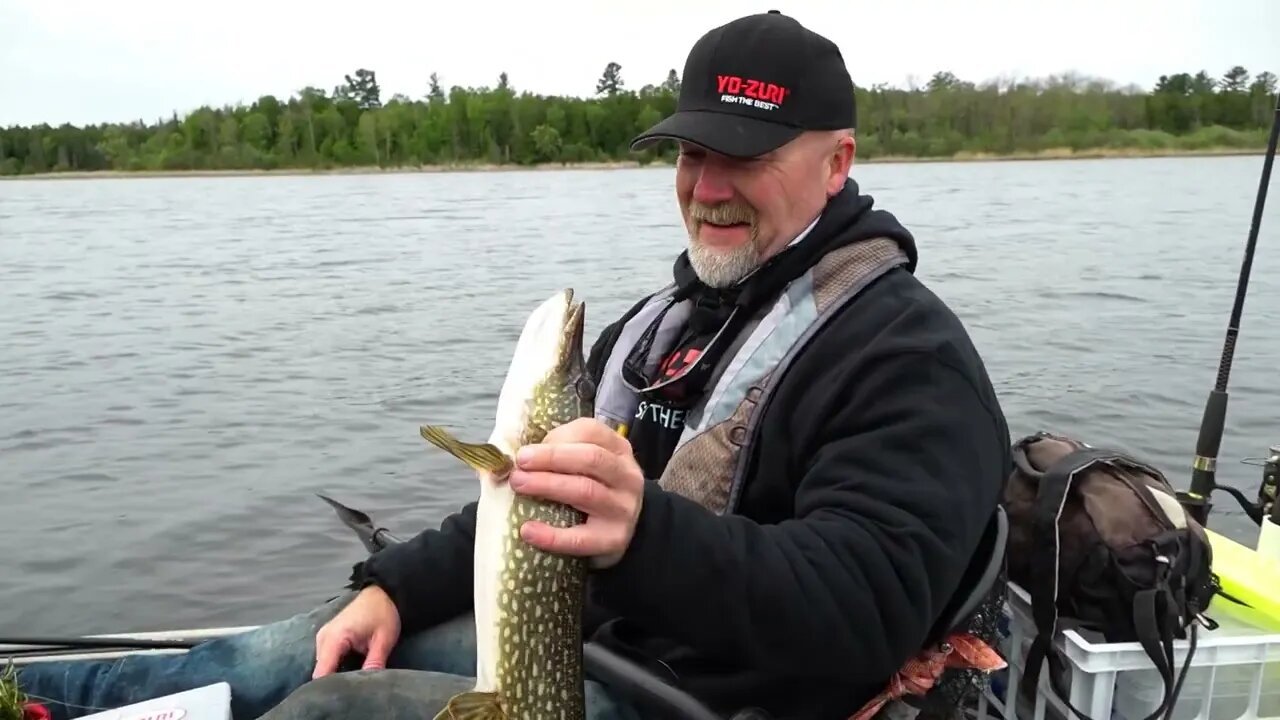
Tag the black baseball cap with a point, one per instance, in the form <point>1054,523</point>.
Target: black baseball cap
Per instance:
<point>754,84</point>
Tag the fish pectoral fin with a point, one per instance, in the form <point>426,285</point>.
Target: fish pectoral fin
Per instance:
<point>473,706</point>
<point>480,456</point>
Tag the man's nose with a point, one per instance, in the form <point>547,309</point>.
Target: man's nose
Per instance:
<point>713,185</point>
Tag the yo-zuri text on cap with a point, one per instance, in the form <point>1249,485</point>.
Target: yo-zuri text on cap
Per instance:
<point>754,84</point>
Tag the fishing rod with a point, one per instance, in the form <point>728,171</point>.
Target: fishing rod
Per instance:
<point>1196,500</point>
<point>42,645</point>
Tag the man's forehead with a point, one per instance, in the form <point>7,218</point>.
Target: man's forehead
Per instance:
<point>795,145</point>
<point>688,146</point>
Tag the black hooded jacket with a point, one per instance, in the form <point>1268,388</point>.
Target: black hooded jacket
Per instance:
<point>880,460</point>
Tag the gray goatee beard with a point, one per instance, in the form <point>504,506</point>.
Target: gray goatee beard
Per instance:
<point>721,268</point>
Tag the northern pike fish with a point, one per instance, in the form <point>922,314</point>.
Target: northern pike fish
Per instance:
<point>528,603</point>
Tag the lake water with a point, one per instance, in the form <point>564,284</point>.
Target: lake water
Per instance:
<point>185,362</point>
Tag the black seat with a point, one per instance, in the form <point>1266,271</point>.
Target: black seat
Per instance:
<point>661,699</point>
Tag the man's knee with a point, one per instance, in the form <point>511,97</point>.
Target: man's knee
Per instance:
<point>294,636</point>
<point>449,648</point>
<point>384,694</point>
<point>601,705</point>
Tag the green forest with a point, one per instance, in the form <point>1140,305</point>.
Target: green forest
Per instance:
<point>353,126</point>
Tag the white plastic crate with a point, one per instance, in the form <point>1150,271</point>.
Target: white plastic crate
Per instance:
<point>1116,681</point>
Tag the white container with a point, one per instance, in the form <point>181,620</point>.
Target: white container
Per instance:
<point>210,702</point>
<point>1116,681</point>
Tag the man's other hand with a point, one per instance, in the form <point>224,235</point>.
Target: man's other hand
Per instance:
<point>369,625</point>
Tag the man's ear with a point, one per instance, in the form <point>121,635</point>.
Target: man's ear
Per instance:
<point>840,160</point>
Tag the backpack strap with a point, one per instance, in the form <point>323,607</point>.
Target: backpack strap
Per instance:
<point>1051,497</point>
<point>1158,614</point>
<point>1155,617</point>
<point>1156,609</point>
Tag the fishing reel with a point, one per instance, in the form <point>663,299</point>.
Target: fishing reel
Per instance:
<point>1265,504</point>
<point>1196,501</point>
<point>1269,488</point>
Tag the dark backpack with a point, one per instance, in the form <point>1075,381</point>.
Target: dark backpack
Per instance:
<point>1131,564</point>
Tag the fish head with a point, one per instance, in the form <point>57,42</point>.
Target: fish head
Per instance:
<point>572,366</point>
<point>565,391</point>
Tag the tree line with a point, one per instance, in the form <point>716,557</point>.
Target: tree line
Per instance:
<point>351,125</point>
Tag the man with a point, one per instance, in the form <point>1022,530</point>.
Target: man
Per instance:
<point>795,453</point>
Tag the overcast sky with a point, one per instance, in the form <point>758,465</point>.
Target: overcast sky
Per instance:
<point>84,61</point>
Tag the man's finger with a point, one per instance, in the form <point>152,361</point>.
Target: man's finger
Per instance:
<point>379,648</point>
<point>573,459</point>
<point>584,493</point>
<point>586,540</point>
<point>328,653</point>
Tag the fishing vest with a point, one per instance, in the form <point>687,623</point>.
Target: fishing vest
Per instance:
<point>709,463</point>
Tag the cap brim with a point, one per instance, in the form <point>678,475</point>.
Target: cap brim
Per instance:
<point>732,135</point>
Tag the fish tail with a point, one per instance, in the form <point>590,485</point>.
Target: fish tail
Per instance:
<point>971,652</point>
<point>480,456</point>
<point>473,705</point>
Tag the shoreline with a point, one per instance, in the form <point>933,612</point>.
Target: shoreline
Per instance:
<point>1103,153</point>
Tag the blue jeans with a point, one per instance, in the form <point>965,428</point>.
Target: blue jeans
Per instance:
<point>269,671</point>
